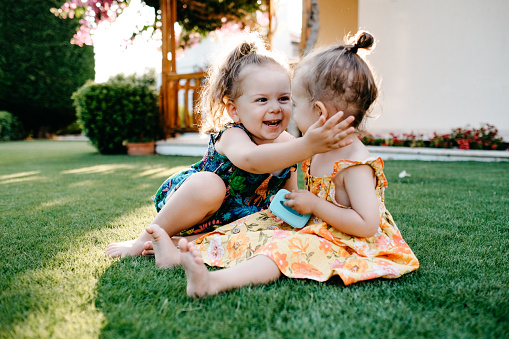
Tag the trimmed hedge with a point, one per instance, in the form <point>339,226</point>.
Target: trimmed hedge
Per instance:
<point>120,110</point>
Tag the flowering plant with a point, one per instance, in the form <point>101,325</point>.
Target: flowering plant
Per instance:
<point>405,140</point>
<point>486,137</point>
<point>195,18</point>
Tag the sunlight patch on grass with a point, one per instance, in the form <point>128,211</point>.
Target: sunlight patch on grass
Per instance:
<point>131,224</point>
<point>13,181</point>
<point>151,171</point>
<point>61,323</point>
<point>160,172</point>
<point>55,202</point>
<point>18,175</point>
<point>61,293</point>
<point>83,183</point>
<point>99,169</point>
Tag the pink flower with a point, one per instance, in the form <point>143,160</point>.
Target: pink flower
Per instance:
<point>215,251</point>
<point>280,234</point>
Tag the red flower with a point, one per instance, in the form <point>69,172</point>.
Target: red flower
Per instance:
<point>463,144</point>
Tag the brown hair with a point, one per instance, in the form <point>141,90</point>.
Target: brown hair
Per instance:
<point>339,76</point>
<point>223,79</point>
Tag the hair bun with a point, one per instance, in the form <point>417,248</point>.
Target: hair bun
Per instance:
<point>364,40</point>
<point>245,48</point>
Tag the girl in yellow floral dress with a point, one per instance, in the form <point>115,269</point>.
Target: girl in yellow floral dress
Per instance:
<point>350,234</point>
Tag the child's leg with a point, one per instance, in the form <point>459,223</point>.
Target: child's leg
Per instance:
<point>199,197</point>
<point>202,282</point>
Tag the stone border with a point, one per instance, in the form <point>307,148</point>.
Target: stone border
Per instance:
<point>195,145</point>
<point>436,154</point>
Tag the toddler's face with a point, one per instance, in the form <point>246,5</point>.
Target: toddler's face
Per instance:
<point>304,112</point>
<point>264,108</point>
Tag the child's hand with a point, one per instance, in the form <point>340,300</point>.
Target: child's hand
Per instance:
<point>324,136</point>
<point>300,200</point>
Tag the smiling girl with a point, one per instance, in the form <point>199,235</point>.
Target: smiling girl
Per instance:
<point>250,156</point>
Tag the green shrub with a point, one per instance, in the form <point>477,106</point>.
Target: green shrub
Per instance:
<point>123,109</point>
<point>10,127</point>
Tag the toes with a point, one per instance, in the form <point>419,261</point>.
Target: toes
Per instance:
<point>147,252</point>
<point>195,253</point>
<point>183,245</point>
<point>152,228</point>
<point>193,249</point>
<point>148,245</point>
<point>198,259</point>
<point>111,252</point>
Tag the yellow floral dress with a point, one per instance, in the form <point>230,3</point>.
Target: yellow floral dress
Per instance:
<point>317,251</point>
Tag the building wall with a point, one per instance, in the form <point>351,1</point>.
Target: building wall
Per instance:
<point>443,64</point>
<point>338,18</point>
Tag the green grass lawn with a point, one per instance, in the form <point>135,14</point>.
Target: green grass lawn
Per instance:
<point>62,203</point>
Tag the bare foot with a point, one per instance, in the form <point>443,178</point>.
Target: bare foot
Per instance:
<point>125,248</point>
<point>148,248</point>
<point>199,282</point>
<point>167,255</point>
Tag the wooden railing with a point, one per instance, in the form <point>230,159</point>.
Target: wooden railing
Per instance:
<point>178,109</point>
<point>179,97</point>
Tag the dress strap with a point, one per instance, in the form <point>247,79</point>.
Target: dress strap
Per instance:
<point>376,163</point>
<point>216,136</point>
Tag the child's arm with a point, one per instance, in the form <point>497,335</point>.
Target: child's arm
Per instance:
<point>361,220</point>
<point>291,183</point>
<point>320,138</point>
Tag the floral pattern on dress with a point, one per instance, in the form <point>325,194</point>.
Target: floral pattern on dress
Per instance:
<point>317,251</point>
<point>246,193</point>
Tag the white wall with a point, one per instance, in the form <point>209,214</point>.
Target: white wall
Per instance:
<point>443,63</point>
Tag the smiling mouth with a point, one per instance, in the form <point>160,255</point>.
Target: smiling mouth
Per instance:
<point>272,123</point>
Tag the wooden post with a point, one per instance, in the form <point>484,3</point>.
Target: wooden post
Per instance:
<point>271,10</point>
<point>168,92</point>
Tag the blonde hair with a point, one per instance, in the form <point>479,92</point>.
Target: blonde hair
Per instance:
<point>224,75</point>
<point>338,75</point>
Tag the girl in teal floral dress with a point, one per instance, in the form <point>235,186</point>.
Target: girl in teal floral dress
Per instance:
<point>250,155</point>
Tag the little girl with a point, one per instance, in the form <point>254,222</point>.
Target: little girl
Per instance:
<point>250,156</point>
<point>351,233</point>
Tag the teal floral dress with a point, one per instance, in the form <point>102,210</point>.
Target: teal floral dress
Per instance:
<point>246,193</point>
